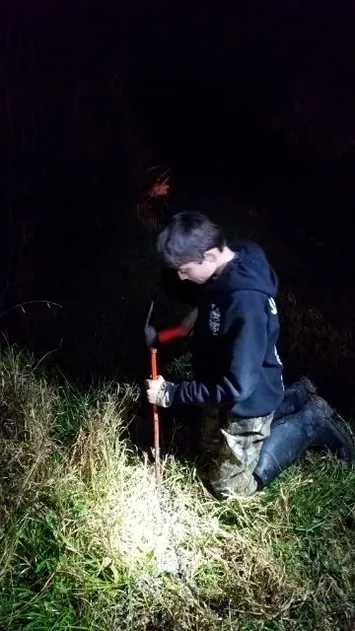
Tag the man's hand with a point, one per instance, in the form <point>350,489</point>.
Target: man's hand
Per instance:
<point>159,391</point>
<point>153,387</point>
<point>154,337</point>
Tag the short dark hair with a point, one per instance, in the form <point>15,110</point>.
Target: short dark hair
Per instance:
<point>187,237</point>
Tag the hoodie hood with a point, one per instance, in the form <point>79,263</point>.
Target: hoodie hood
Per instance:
<point>249,270</point>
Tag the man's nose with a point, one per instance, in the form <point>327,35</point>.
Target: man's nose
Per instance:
<point>182,276</point>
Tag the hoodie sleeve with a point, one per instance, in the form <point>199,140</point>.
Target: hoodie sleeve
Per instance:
<point>245,335</point>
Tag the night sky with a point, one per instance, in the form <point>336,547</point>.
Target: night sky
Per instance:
<point>252,104</point>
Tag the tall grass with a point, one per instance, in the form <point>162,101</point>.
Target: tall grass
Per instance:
<point>88,540</point>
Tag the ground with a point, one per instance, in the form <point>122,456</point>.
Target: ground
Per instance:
<point>88,541</point>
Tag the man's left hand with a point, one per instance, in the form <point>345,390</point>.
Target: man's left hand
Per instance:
<point>159,391</point>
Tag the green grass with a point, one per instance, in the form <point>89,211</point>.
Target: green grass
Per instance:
<point>89,542</point>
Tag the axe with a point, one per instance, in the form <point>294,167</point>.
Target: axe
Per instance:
<point>149,330</point>
<point>152,336</point>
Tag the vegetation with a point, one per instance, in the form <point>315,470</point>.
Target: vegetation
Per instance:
<point>88,541</point>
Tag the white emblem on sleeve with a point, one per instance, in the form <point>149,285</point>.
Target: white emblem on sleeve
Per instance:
<point>277,357</point>
<point>273,307</point>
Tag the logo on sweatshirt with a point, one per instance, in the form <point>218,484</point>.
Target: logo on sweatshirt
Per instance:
<point>215,319</point>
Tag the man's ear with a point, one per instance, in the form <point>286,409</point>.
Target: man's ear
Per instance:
<point>211,255</point>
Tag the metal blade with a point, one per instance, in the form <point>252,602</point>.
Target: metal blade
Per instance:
<point>149,315</point>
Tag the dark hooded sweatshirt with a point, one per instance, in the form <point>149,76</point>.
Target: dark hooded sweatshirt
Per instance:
<point>234,356</point>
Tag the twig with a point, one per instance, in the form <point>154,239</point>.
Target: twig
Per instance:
<point>54,350</point>
<point>49,303</point>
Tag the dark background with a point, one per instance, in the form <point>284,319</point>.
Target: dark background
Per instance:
<point>251,108</point>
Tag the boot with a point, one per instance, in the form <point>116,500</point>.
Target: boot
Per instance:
<point>312,426</point>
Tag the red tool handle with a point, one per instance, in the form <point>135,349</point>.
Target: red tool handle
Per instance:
<point>154,374</point>
<point>153,363</point>
<point>170,334</point>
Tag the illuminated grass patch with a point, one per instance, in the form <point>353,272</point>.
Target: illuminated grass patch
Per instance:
<point>88,540</point>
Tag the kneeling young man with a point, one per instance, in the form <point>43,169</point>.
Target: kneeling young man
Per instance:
<point>237,371</point>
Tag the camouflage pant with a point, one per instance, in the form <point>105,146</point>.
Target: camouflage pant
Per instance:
<point>230,448</point>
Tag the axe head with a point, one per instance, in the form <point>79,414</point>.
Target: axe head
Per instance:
<point>150,332</point>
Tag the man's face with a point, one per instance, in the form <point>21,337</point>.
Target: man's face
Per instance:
<point>198,272</point>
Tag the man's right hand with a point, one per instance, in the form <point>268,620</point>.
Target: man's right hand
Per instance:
<point>152,336</point>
